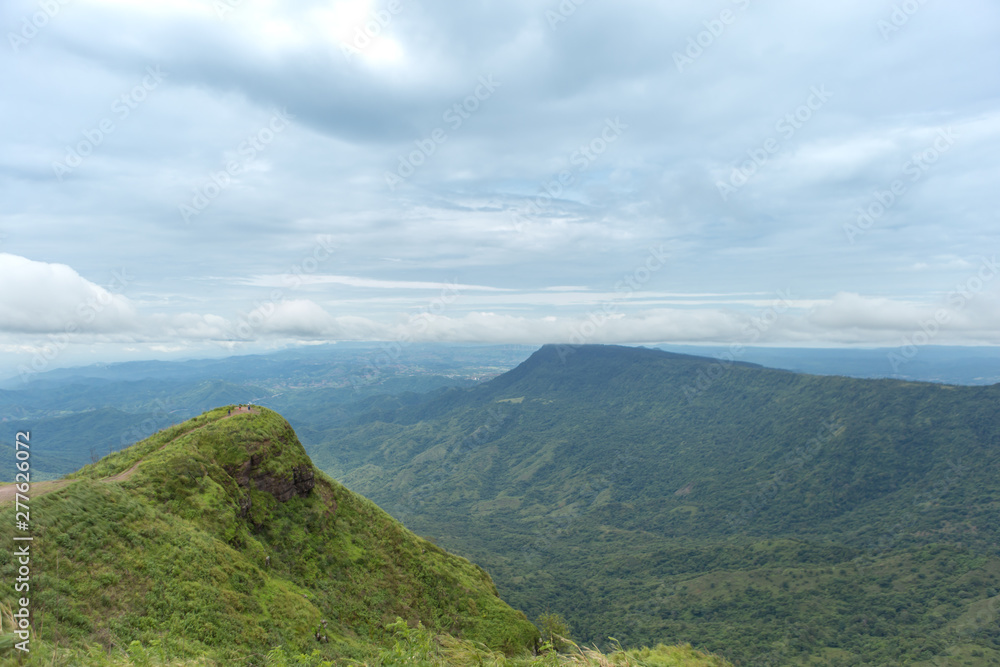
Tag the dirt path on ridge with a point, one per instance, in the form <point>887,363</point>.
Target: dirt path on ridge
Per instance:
<point>8,490</point>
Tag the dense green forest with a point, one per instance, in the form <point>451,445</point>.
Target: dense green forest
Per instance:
<point>773,517</point>
<point>85,412</point>
<point>216,541</point>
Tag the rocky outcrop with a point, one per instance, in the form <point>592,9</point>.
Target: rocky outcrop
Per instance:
<point>283,488</point>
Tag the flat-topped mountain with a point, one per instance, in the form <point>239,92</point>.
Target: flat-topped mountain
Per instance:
<point>645,494</point>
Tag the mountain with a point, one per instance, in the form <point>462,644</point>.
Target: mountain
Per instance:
<point>773,517</point>
<point>85,418</point>
<point>931,363</point>
<point>218,540</point>
<point>303,365</point>
<point>217,537</point>
<point>87,410</point>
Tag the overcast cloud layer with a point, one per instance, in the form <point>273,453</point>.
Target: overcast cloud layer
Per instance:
<point>206,175</point>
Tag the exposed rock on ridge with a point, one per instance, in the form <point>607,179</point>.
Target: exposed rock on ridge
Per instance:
<point>283,489</point>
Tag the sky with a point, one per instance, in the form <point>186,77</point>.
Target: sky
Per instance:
<point>204,177</point>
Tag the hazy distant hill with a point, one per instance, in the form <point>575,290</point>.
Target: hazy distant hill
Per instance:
<point>80,419</point>
<point>930,363</point>
<point>76,411</point>
<point>319,387</point>
<point>365,363</point>
<point>751,511</point>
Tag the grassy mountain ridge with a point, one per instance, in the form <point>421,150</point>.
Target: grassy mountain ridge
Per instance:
<point>216,541</point>
<point>751,511</point>
<point>216,537</point>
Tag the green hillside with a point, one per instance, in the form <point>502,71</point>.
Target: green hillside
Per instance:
<point>216,541</point>
<point>773,517</point>
<point>219,539</point>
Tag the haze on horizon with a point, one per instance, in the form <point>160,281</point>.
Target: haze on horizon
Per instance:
<point>220,176</point>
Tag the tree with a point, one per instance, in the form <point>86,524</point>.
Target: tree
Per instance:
<point>555,631</point>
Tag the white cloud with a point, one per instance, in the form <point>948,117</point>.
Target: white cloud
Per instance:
<point>451,224</point>
<point>304,319</point>
<point>286,280</point>
<point>854,311</point>
<point>39,297</point>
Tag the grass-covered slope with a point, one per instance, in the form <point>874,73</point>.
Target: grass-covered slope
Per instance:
<point>218,538</point>
<point>771,516</point>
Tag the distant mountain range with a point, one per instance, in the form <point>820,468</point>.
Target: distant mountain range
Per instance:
<point>773,516</point>
<point>87,411</point>
<point>930,363</point>
<point>755,512</point>
<point>364,364</point>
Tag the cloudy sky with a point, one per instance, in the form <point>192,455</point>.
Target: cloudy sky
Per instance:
<point>201,176</point>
